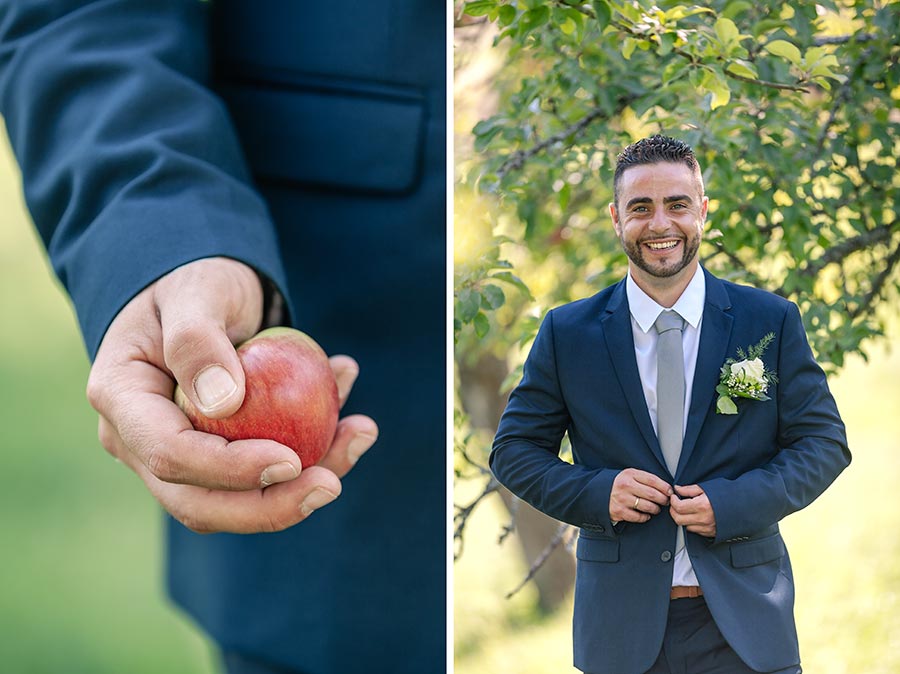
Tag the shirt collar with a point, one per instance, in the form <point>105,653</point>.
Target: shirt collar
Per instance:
<point>689,306</point>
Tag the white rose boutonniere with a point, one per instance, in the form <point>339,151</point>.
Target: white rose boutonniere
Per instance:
<point>745,378</point>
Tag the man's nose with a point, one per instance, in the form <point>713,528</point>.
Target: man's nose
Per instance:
<point>659,221</point>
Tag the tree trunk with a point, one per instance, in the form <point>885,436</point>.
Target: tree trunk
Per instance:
<point>479,390</point>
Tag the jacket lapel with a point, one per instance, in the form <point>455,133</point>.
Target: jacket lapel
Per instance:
<point>715,334</point>
<point>620,342</point>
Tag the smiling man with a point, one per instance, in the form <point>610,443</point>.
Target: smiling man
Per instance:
<point>681,566</point>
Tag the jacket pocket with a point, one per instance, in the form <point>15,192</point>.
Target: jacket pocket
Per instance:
<point>759,551</point>
<point>337,138</point>
<point>597,549</point>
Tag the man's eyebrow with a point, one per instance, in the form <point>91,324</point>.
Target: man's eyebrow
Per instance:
<point>666,200</point>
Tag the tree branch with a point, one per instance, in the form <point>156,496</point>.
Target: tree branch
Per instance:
<point>542,558</point>
<point>463,513</point>
<point>843,39</point>
<point>842,250</point>
<point>518,158</point>
<point>841,97</point>
<point>878,284</point>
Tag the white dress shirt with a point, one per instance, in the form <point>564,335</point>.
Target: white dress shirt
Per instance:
<point>644,312</point>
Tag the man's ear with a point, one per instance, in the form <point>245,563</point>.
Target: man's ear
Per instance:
<point>704,207</point>
<point>615,217</point>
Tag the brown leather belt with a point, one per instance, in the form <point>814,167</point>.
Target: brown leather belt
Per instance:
<point>684,592</point>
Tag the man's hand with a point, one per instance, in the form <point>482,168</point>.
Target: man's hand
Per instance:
<point>691,509</point>
<point>182,328</point>
<point>636,495</point>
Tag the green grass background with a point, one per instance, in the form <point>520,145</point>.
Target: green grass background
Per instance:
<point>81,558</point>
<point>845,550</point>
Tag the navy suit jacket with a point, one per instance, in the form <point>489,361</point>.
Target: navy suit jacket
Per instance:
<point>307,140</point>
<point>770,459</point>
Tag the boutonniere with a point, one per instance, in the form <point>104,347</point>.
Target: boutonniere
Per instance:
<point>746,377</point>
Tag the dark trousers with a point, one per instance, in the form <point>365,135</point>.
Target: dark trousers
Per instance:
<point>694,645</point>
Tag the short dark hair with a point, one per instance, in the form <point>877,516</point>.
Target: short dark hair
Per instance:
<point>652,150</point>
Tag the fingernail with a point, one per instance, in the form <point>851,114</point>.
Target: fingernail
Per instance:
<point>278,472</point>
<point>318,498</point>
<point>359,446</point>
<point>213,386</point>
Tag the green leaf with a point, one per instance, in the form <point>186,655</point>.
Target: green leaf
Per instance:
<point>674,70</point>
<point>735,8</point>
<point>568,26</point>
<point>482,324</point>
<point>717,85</point>
<point>628,47</point>
<point>565,194</point>
<point>534,18</point>
<point>725,405</point>
<point>467,304</point>
<point>786,50</point>
<point>726,30</point>
<point>680,12</point>
<point>743,69</point>
<point>492,297</point>
<point>479,7</point>
<point>511,278</point>
<point>506,15</point>
<point>603,12</point>
<point>814,55</point>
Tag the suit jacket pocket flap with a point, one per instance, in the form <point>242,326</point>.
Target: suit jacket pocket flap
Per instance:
<point>760,551</point>
<point>336,139</point>
<point>597,549</point>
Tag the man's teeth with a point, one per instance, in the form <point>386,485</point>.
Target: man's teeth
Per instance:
<point>662,245</point>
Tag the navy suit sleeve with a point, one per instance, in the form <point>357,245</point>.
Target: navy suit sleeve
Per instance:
<point>525,455</point>
<point>130,164</point>
<point>812,445</point>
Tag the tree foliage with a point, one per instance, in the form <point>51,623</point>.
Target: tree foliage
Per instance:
<point>792,110</point>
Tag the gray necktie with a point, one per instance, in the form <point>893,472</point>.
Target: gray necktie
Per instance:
<point>670,393</point>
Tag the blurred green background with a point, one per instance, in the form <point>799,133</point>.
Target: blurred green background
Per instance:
<point>82,560</point>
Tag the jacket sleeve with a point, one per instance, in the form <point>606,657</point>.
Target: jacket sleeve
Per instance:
<point>812,446</point>
<point>130,165</point>
<point>525,455</point>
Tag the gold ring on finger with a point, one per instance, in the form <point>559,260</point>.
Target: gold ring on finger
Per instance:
<point>637,499</point>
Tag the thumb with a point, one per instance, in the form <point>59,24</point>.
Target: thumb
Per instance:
<point>689,491</point>
<point>202,307</point>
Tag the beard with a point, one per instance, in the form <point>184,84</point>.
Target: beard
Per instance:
<point>635,253</point>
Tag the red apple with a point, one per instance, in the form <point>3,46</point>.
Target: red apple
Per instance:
<point>291,395</point>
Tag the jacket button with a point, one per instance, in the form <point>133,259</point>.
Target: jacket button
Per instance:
<point>665,556</point>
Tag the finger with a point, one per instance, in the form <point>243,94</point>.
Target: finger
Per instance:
<point>264,510</point>
<point>683,506</point>
<point>260,510</point>
<point>272,509</point>
<point>204,308</point>
<point>622,510</point>
<point>163,440</point>
<point>689,491</point>
<point>646,506</point>
<point>354,436</point>
<point>653,482</point>
<point>346,370</point>
<point>650,494</point>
